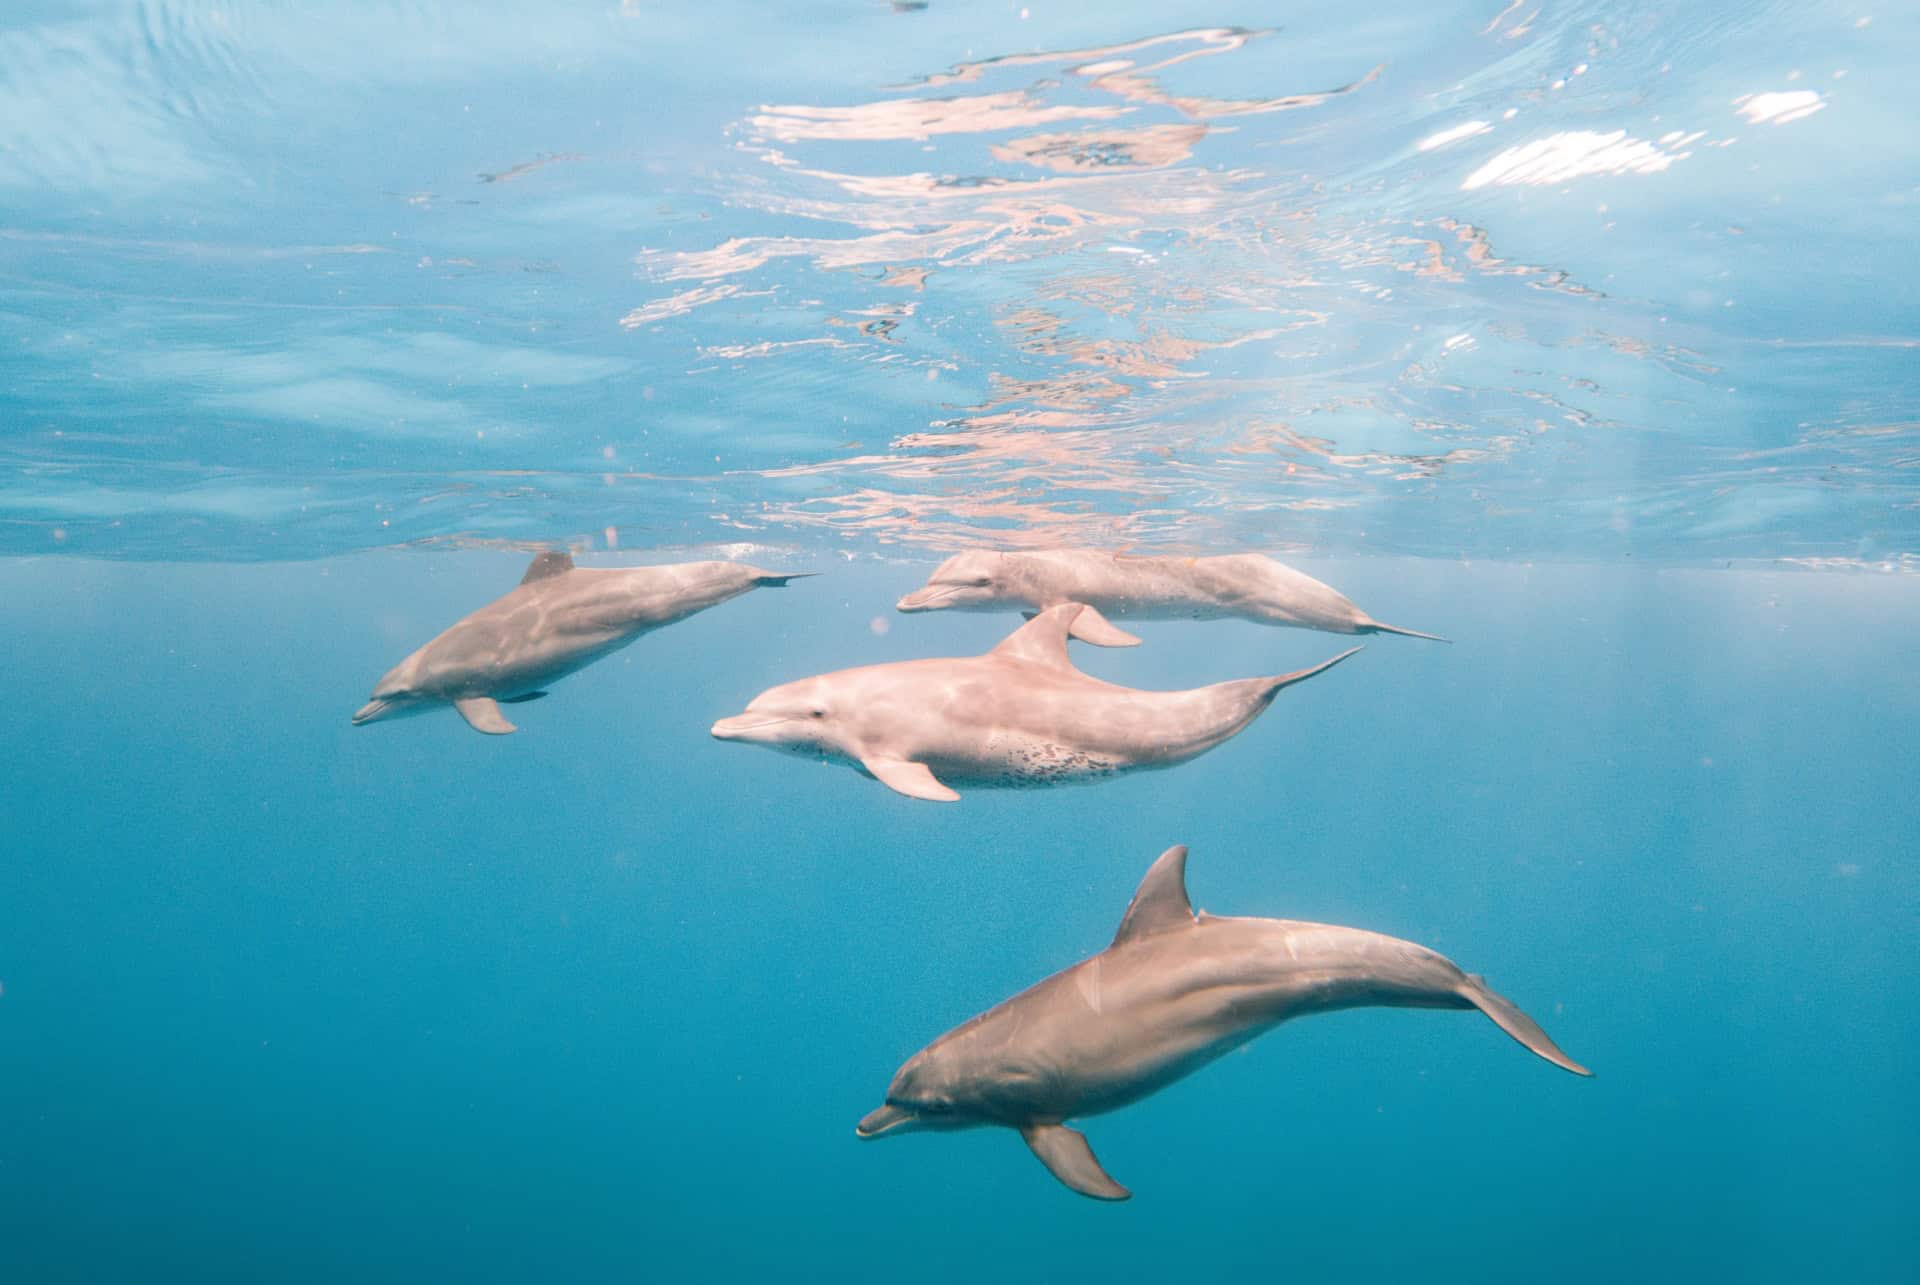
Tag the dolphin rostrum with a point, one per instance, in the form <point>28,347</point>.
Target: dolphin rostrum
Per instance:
<point>1250,586</point>
<point>1173,992</point>
<point>560,618</point>
<point>1020,715</point>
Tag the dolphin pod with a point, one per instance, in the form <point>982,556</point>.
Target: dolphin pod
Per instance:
<point>1173,992</point>
<point>558,619</point>
<point>1020,715</point>
<point>1249,586</point>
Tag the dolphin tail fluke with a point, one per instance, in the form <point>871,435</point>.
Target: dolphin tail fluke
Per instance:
<point>1302,675</point>
<point>1375,627</point>
<point>1508,1017</point>
<point>1067,1157</point>
<point>781,582</point>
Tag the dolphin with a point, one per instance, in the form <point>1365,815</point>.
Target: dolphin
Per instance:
<point>1020,715</point>
<point>560,618</point>
<point>1173,992</point>
<point>1250,586</point>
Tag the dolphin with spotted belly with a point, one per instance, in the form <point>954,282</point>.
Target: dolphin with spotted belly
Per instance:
<point>1173,992</point>
<point>1020,715</point>
<point>1249,586</point>
<point>559,619</point>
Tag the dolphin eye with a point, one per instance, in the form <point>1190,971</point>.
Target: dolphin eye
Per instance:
<point>819,713</point>
<point>982,582</point>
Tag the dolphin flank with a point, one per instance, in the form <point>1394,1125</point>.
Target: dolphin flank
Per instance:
<point>1249,586</point>
<point>559,619</point>
<point>1173,991</point>
<point>1020,715</point>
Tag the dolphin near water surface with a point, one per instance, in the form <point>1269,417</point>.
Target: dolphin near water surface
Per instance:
<point>1249,586</point>
<point>1020,715</point>
<point>559,619</point>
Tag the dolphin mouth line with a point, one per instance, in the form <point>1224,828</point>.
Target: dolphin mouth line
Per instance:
<point>884,1119</point>
<point>371,710</point>
<point>925,599</point>
<point>728,728</point>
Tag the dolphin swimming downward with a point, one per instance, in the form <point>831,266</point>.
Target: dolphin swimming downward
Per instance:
<point>1250,586</point>
<point>560,618</point>
<point>1020,715</point>
<point>1173,992</point>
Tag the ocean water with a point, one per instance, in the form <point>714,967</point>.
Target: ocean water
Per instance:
<point>1581,334</point>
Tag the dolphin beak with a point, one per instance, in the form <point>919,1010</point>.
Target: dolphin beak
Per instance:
<point>884,1120</point>
<point>371,710</point>
<point>925,599</point>
<point>741,727</point>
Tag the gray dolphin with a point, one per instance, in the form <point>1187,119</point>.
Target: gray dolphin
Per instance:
<point>1020,715</point>
<point>1173,992</point>
<point>560,618</point>
<point>1250,586</point>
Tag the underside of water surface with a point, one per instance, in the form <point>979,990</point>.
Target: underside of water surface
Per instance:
<point>1569,281</point>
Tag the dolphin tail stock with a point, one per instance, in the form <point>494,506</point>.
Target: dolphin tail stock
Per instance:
<point>770,581</point>
<point>1282,681</point>
<point>1508,1017</point>
<point>1375,627</point>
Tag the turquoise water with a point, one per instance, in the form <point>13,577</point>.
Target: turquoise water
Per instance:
<point>1580,334</point>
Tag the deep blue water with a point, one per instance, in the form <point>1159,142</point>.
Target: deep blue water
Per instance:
<point>288,999</point>
<point>1580,333</point>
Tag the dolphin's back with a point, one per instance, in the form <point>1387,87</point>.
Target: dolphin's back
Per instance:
<point>1144,1014</point>
<point>1139,587</point>
<point>549,627</point>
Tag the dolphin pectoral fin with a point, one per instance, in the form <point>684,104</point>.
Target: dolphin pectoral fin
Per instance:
<point>1067,1157</point>
<point>915,780</point>
<point>483,715</point>
<point>522,698</point>
<point>1508,1017</point>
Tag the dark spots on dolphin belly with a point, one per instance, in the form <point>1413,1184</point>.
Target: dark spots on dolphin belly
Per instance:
<point>1033,766</point>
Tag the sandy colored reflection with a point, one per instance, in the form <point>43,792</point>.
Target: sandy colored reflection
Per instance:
<point>1097,151</point>
<point>917,118</point>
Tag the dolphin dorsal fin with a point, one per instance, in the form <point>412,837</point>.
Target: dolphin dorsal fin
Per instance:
<point>1161,902</point>
<point>1043,640</point>
<point>550,563</point>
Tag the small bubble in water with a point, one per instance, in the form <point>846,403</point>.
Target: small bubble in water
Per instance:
<point>59,535</point>
<point>879,625</point>
<point>613,537</point>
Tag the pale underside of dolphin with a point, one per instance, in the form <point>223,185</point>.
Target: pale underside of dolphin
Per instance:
<point>1174,991</point>
<point>1020,715</point>
<point>1247,586</point>
<point>560,618</point>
